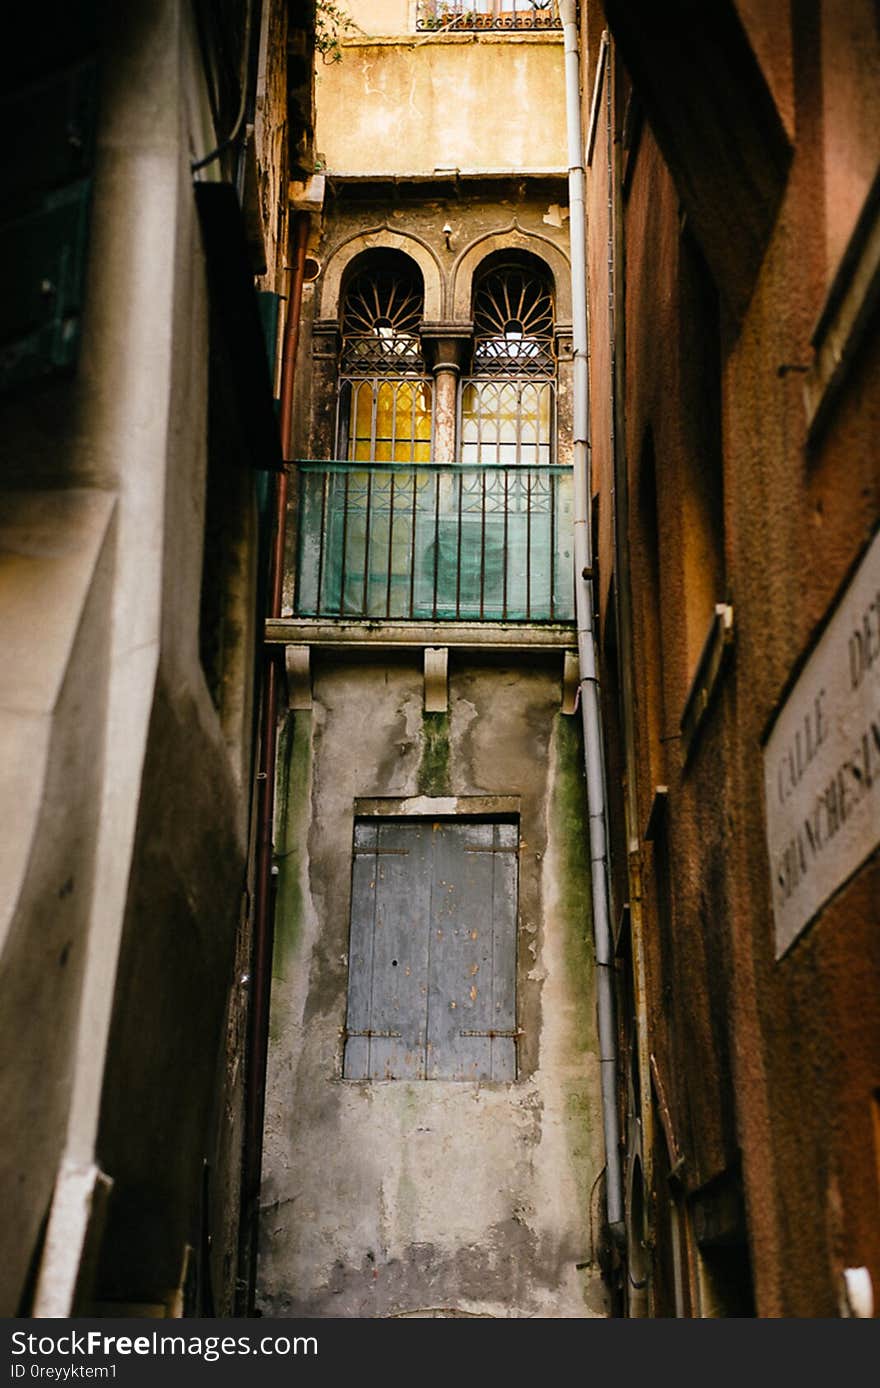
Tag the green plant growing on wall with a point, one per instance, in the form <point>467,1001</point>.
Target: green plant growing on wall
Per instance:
<point>332,23</point>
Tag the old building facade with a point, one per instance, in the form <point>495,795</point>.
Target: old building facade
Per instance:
<point>433,1141</point>
<point>730,168</point>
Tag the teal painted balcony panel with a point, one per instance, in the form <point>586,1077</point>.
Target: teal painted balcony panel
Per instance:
<point>429,542</point>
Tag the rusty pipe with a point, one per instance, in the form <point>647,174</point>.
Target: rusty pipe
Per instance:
<point>264,923</point>
<point>288,372</point>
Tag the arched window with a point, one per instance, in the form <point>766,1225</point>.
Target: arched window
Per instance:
<point>507,403</point>
<point>384,392</point>
<point>388,532</point>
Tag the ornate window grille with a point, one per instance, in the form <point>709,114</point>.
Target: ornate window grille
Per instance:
<point>488,14</point>
<point>507,404</point>
<point>384,394</point>
<point>513,324</point>
<point>384,531</point>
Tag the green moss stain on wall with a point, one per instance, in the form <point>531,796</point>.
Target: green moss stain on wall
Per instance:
<point>569,827</point>
<point>293,788</point>
<point>581,1117</point>
<point>433,776</point>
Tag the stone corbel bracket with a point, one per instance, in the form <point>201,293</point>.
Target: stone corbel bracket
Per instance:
<point>436,679</point>
<point>298,665</point>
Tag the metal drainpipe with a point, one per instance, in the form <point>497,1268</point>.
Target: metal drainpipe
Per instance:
<point>589,686</point>
<point>264,920</point>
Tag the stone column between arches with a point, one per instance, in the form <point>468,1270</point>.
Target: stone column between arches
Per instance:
<point>446,346</point>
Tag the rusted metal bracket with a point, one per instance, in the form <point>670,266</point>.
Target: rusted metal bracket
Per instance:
<point>570,681</point>
<point>368,852</point>
<point>676,1156</point>
<point>512,1035</point>
<point>382,1035</point>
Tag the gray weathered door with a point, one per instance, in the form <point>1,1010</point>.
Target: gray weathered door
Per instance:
<point>432,959</point>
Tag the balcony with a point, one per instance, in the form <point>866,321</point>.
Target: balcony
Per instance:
<point>487,14</point>
<point>434,543</point>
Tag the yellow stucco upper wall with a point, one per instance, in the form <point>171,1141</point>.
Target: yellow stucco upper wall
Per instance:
<point>483,103</point>
<point>382,16</point>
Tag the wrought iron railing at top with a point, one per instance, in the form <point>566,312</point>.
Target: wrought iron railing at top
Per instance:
<point>433,542</point>
<point>488,14</point>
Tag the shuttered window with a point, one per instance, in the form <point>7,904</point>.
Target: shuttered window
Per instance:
<point>432,957</point>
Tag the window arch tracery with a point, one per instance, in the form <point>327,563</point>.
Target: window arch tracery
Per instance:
<point>513,323</point>
<point>385,396</point>
<point>388,530</point>
<point>507,403</point>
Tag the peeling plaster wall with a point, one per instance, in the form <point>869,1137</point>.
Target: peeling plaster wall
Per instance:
<point>395,1197</point>
<point>507,112</point>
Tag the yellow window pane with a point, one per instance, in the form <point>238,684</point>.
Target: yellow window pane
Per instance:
<point>386,417</point>
<point>423,415</point>
<point>362,410</point>
<point>384,410</point>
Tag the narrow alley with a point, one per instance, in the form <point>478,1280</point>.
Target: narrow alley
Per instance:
<point>439,571</point>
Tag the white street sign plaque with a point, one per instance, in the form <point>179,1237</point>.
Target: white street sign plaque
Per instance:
<point>822,761</point>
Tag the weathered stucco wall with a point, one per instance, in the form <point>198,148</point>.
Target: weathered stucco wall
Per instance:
<point>395,1197</point>
<point>473,102</point>
<point>124,818</point>
<point>383,16</point>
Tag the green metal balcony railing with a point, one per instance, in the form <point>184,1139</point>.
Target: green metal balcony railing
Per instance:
<point>435,542</point>
<point>488,14</point>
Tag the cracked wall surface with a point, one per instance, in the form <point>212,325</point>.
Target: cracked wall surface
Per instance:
<point>385,1198</point>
